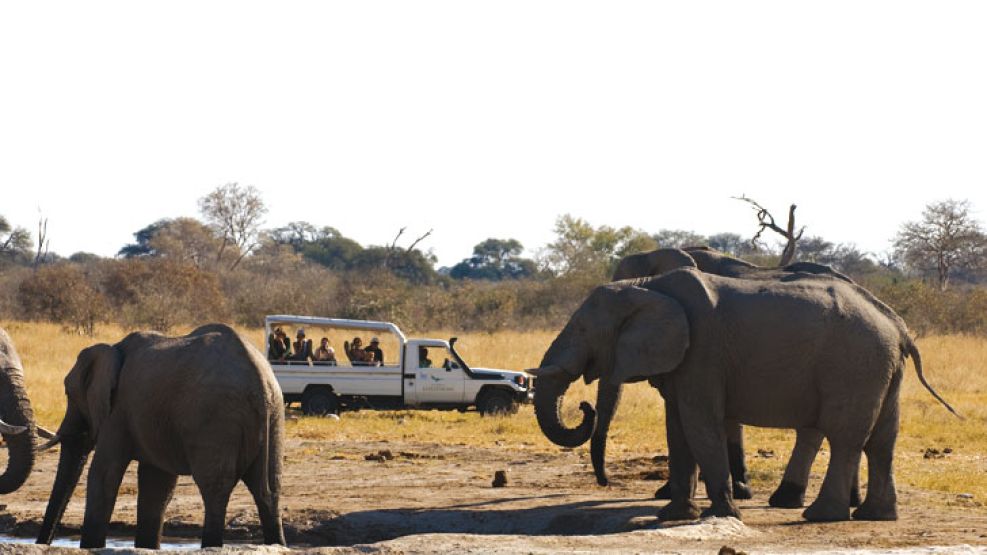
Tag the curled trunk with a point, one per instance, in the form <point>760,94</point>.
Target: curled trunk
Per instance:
<point>549,393</point>
<point>15,409</point>
<point>75,451</point>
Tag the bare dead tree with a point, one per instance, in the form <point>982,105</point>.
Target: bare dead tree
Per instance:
<point>767,221</point>
<point>43,242</point>
<point>419,240</point>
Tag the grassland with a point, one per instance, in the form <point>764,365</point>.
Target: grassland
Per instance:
<point>955,365</point>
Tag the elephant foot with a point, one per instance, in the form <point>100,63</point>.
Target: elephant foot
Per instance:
<point>722,509</point>
<point>602,481</point>
<point>664,492</point>
<point>742,491</point>
<point>855,496</point>
<point>789,495</point>
<point>679,510</point>
<point>870,511</point>
<point>822,510</point>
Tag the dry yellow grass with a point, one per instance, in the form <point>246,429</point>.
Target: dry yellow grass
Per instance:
<point>955,365</point>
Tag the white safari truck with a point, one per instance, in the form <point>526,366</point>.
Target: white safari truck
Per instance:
<point>414,373</point>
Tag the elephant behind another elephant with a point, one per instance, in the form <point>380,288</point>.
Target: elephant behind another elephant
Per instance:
<point>205,404</point>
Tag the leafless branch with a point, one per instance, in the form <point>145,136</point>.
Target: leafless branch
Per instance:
<point>43,242</point>
<point>419,240</point>
<point>394,243</point>
<point>767,221</point>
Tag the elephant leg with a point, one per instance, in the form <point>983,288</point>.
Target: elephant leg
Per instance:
<point>266,501</point>
<point>833,502</point>
<point>215,479</point>
<point>154,490</point>
<point>681,469</point>
<point>882,500</point>
<point>738,466</point>
<point>791,492</point>
<point>708,444</point>
<point>608,396</point>
<point>102,486</point>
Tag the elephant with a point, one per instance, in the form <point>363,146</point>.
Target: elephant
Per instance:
<point>17,422</point>
<point>803,352</point>
<point>205,404</point>
<point>791,492</point>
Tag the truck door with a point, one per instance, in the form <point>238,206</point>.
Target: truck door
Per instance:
<point>429,379</point>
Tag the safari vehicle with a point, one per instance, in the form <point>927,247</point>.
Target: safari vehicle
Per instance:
<point>414,373</point>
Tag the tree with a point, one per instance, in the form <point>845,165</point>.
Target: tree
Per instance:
<point>679,239</point>
<point>579,248</point>
<point>183,239</point>
<point>945,240</point>
<point>235,213</point>
<point>495,260</point>
<point>767,221</point>
<point>14,241</point>
<point>142,246</point>
<point>732,244</point>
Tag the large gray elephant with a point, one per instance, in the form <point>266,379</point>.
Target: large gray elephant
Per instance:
<point>802,352</point>
<point>16,418</point>
<point>791,491</point>
<point>206,405</point>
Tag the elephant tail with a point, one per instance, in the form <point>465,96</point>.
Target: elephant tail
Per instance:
<point>912,351</point>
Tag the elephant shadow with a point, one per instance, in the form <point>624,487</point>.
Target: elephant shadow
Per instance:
<point>492,517</point>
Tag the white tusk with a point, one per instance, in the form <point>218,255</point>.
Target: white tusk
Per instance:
<point>11,430</point>
<point>44,433</point>
<point>51,443</point>
<point>547,371</point>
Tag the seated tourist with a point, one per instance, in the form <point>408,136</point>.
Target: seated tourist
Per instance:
<point>356,354</point>
<point>374,350</point>
<point>303,347</point>
<point>278,346</point>
<point>325,353</point>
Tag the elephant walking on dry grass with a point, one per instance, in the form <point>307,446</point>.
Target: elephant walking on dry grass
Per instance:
<point>205,404</point>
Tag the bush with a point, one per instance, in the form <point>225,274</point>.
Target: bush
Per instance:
<point>63,293</point>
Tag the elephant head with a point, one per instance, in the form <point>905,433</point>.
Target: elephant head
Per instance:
<point>621,333</point>
<point>16,418</point>
<point>89,387</point>
<point>664,260</point>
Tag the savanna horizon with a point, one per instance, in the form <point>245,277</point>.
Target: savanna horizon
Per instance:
<point>952,364</point>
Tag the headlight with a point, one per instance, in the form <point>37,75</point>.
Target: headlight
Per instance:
<point>521,381</point>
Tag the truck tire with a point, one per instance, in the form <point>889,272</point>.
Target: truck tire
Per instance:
<point>496,402</point>
<point>319,401</point>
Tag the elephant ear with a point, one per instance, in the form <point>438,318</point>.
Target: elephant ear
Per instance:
<point>93,380</point>
<point>653,339</point>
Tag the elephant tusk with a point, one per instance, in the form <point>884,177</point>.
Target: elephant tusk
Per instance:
<point>44,433</point>
<point>9,429</point>
<point>547,371</point>
<point>55,440</point>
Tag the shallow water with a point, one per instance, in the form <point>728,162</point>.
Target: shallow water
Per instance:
<point>168,543</point>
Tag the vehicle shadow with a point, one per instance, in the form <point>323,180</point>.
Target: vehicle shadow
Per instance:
<point>492,517</point>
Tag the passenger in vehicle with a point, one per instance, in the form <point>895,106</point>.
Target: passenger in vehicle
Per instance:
<point>303,347</point>
<point>374,351</point>
<point>355,352</point>
<point>325,353</point>
<point>423,360</point>
<point>278,346</point>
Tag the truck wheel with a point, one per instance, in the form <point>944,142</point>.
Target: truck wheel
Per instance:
<point>496,402</point>
<point>319,402</point>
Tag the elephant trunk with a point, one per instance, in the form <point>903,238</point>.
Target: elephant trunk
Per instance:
<point>15,409</point>
<point>75,450</point>
<point>608,396</point>
<point>549,392</point>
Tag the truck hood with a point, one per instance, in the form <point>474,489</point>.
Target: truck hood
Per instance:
<point>495,373</point>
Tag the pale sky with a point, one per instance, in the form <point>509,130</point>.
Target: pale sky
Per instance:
<point>490,119</point>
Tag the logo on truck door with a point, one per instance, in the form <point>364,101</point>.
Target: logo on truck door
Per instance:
<point>436,383</point>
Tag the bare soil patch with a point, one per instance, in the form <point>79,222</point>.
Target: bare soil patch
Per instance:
<point>424,497</point>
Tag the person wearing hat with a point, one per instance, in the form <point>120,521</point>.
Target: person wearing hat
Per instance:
<point>374,350</point>
<point>303,347</point>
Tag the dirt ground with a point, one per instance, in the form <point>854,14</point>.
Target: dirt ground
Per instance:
<point>415,497</point>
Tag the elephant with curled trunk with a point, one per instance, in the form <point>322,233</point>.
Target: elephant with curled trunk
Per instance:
<point>791,491</point>
<point>205,404</point>
<point>802,352</point>
<point>16,418</point>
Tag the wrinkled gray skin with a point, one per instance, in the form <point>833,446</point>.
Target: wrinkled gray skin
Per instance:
<point>16,418</point>
<point>206,405</point>
<point>791,491</point>
<point>804,352</point>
